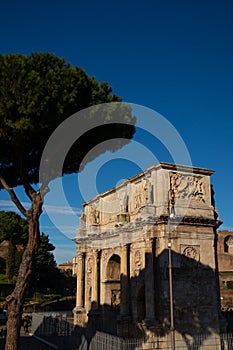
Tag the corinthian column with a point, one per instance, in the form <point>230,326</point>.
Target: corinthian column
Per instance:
<point>79,302</point>
<point>149,283</point>
<point>94,295</point>
<point>124,304</point>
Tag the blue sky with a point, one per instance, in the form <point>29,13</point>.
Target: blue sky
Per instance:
<point>175,57</point>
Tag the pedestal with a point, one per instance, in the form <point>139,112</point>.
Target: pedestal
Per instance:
<point>79,316</point>
<point>123,218</point>
<point>123,326</point>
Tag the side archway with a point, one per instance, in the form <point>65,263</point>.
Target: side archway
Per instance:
<point>112,282</point>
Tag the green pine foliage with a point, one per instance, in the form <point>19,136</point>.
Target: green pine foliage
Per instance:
<point>37,93</point>
<point>46,274</point>
<point>13,228</point>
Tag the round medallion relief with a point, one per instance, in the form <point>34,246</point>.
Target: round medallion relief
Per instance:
<point>191,252</point>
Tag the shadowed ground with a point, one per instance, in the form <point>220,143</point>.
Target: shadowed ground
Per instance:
<point>28,343</point>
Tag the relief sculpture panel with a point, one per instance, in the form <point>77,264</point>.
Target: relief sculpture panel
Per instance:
<point>188,187</point>
<point>137,262</point>
<point>142,193</point>
<point>190,252</point>
<point>115,299</point>
<point>89,270</point>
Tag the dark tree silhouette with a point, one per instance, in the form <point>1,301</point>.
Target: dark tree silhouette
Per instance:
<point>37,93</point>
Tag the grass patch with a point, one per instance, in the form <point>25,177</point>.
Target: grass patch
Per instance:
<point>3,279</point>
<point>226,273</point>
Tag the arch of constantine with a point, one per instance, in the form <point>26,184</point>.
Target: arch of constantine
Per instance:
<point>122,247</point>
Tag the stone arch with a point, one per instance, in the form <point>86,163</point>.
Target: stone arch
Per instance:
<point>112,282</point>
<point>141,304</point>
<point>113,268</point>
<point>228,244</point>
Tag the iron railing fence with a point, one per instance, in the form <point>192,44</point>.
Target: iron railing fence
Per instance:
<point>103,341</point>
<point>59,330</point>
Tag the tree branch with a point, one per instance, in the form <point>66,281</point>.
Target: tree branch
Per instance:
<point>29,190</point>
<point>14,197</point>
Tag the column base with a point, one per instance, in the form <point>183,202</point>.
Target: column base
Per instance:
<point>124,323</point>
<point>150,322</point>
<point>94,320</point>
<point>80,316</point>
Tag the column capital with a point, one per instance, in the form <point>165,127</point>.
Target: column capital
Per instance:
<point>95,252</point>
<point>80,255</point>
<point>148,242</point>
<point>124,248</point>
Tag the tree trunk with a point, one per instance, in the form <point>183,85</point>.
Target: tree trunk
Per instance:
<point>16,299</point>
<point>10,261</point>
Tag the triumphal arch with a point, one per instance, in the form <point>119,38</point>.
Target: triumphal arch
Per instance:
<point>123,282</point>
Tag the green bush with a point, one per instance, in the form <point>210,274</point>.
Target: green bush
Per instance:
<point>229,284</point>
<point>3,279</point>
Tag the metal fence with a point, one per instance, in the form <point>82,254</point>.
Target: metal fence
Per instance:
<point>57,329</point>
<point>103,341</point>
<point>46,324</point>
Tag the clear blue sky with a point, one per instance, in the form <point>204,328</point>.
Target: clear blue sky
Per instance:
<point>175,57</point>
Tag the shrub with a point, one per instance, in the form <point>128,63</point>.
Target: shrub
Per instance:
<point>229,284</point>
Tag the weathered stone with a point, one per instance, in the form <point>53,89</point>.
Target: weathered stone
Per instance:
<point>123,246</point>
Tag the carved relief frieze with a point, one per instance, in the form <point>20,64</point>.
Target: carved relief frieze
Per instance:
<point>115,299</point>
<point>188,186</point>
<point>141,193</point>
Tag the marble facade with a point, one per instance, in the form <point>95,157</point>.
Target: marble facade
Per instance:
<point>122,254</point>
